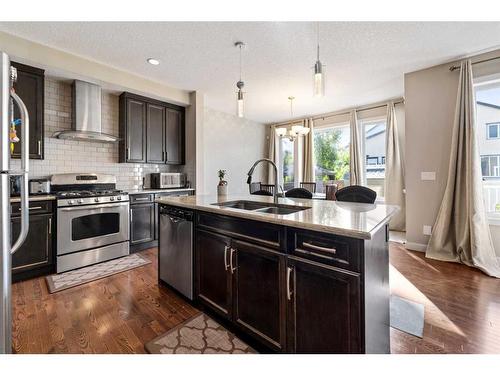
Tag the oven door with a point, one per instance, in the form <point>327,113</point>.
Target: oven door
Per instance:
<point>87,227</point>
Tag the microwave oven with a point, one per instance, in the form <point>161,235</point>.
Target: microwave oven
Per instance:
<point>168,180</point>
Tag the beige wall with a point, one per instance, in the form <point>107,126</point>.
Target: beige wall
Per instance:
<point>430,97</point>
<point>233,144</point>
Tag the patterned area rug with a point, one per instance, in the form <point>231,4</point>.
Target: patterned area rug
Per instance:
<point>69,279</point>
<point>198,335</point>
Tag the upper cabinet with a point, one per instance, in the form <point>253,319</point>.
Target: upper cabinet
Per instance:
<point>30,88</point>
<point>150,131</point>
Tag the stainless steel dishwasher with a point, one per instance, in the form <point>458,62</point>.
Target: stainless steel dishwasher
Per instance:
<point>176,249</point>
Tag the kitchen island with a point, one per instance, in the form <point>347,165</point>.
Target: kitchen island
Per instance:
<point>299,276</point>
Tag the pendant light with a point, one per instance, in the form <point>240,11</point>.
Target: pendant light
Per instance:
<point>318,72</point>
<point>240,84</point>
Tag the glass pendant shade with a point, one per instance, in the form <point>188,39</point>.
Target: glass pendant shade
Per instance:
<point>281,132</point>
<point>240,105</point>
<point>319,79</point>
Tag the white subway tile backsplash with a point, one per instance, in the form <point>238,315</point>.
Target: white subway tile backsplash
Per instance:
<point>67,156</point>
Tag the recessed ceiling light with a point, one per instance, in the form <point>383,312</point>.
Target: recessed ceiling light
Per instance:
<point>153,61</point>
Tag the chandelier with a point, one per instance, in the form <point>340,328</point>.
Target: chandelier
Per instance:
<point>295,131</point>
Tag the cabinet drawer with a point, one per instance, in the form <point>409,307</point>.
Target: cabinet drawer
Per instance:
<point>338,251</point>
<point>36,207</point>
<point>254,231</point>
<point>142,198</point>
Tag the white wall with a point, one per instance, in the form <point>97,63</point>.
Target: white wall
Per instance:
<point>233,144</point>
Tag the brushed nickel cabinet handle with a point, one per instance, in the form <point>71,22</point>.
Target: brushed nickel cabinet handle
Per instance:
<point>142,199</point>
<point>50,225</point>
<point>331,250</point>
<point>33,208</point>
<point>289,271</point>
<point>128,153</point>
<point>226,265</point>
<point>231,260</point>
<point>39,147</point>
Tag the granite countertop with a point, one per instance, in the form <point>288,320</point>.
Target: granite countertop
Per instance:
<point>358,220</point>
<point>34,198</point>
<point>153,191</point>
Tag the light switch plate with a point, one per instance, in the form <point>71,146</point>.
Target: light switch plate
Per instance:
<point>427,230</point>
<point>428,176</point>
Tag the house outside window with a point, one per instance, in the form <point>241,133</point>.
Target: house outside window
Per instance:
<point>488,120</point>
<point>374,131</point>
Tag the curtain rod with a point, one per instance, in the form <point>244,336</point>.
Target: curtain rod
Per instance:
<point>342,112</point>
<point>455,67</point>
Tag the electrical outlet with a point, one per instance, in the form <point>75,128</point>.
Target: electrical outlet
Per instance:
<point>427,176</point>
<point>427,230</point>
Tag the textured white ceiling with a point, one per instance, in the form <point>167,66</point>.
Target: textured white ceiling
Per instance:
<point>365,60</point>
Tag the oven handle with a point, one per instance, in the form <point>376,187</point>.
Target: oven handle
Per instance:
<point>93,207</point>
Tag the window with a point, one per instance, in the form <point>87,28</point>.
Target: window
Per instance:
<point>488,117</point>
<point>374,151</point>
<point>331,155</point>
<point>493,130</point>
<point>287,164</point>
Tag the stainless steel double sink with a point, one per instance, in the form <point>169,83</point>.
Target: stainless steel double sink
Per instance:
<point>263,207</point>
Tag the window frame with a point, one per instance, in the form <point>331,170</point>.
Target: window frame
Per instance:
<point>362,124</point>
<point>490,124</point>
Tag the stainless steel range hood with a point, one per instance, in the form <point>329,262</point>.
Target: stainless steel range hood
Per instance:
<point>86,124</point>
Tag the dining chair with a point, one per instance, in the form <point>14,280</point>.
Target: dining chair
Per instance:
<point>356,193</point>
<point>254,186</point>
<point>330,191</point>
<point>298,193</point>
<point>263,192</point>
<point>311,186</point>
<point>267,187</point>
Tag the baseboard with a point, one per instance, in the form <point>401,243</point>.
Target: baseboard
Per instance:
<point>416,246</point>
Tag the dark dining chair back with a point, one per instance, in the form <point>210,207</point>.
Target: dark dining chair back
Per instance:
<point>254,186</point>
<point>267,187</point>
<point>298,193</point>
<point>356,193</point>
<point>311,186</point>
<point>330,191</point>
<point>263,192</point>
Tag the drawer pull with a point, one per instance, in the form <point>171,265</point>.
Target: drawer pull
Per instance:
<point>142,199</point>
<point>231,260</point>
<point>330,250</point>
<point>33,208</point>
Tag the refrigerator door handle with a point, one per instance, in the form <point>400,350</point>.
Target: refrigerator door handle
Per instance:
<point>25,133</point>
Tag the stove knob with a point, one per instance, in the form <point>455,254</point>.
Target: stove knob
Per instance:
<point>96,199</point>
<point>119,197</point>
<point>111,198</point>
<point>71,202</point>
<point>80,200</point>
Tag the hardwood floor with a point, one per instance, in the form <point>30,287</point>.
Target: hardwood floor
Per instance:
<point>120,313</point>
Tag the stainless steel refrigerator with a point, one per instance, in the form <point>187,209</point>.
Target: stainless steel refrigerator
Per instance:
<point>9,99</point>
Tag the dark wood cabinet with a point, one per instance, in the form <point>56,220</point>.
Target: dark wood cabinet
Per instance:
<point>30,86</point>
<point>132,130</point>
<point>259,301</point>
<point>142,223</point>
<point>155,134</point>
<point>214,281</point>
<point>174,139</point>
<point>324,307</point>
<point>36,255</point>
<point>151,131</point>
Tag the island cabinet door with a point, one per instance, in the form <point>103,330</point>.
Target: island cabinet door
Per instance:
<point>258,298</point>
<point>213,274</point>
<point>323,314</point>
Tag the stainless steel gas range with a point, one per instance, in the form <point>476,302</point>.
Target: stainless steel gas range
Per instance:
<point>92,220</point>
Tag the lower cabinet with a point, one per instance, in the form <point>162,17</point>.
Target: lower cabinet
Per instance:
<point>35,257</point>
<point>243,283</point>
<point>323,308</point>
<point>258,298</point>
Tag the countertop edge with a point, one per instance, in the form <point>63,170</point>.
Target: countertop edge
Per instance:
<point>155,191</point>
<point>281,221</point>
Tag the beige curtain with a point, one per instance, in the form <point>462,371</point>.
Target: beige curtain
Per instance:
<point>461,232</point>
<point>272,153</point>
<point>357,164</point>
<point>394,170</point>
<point>308,152</point>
